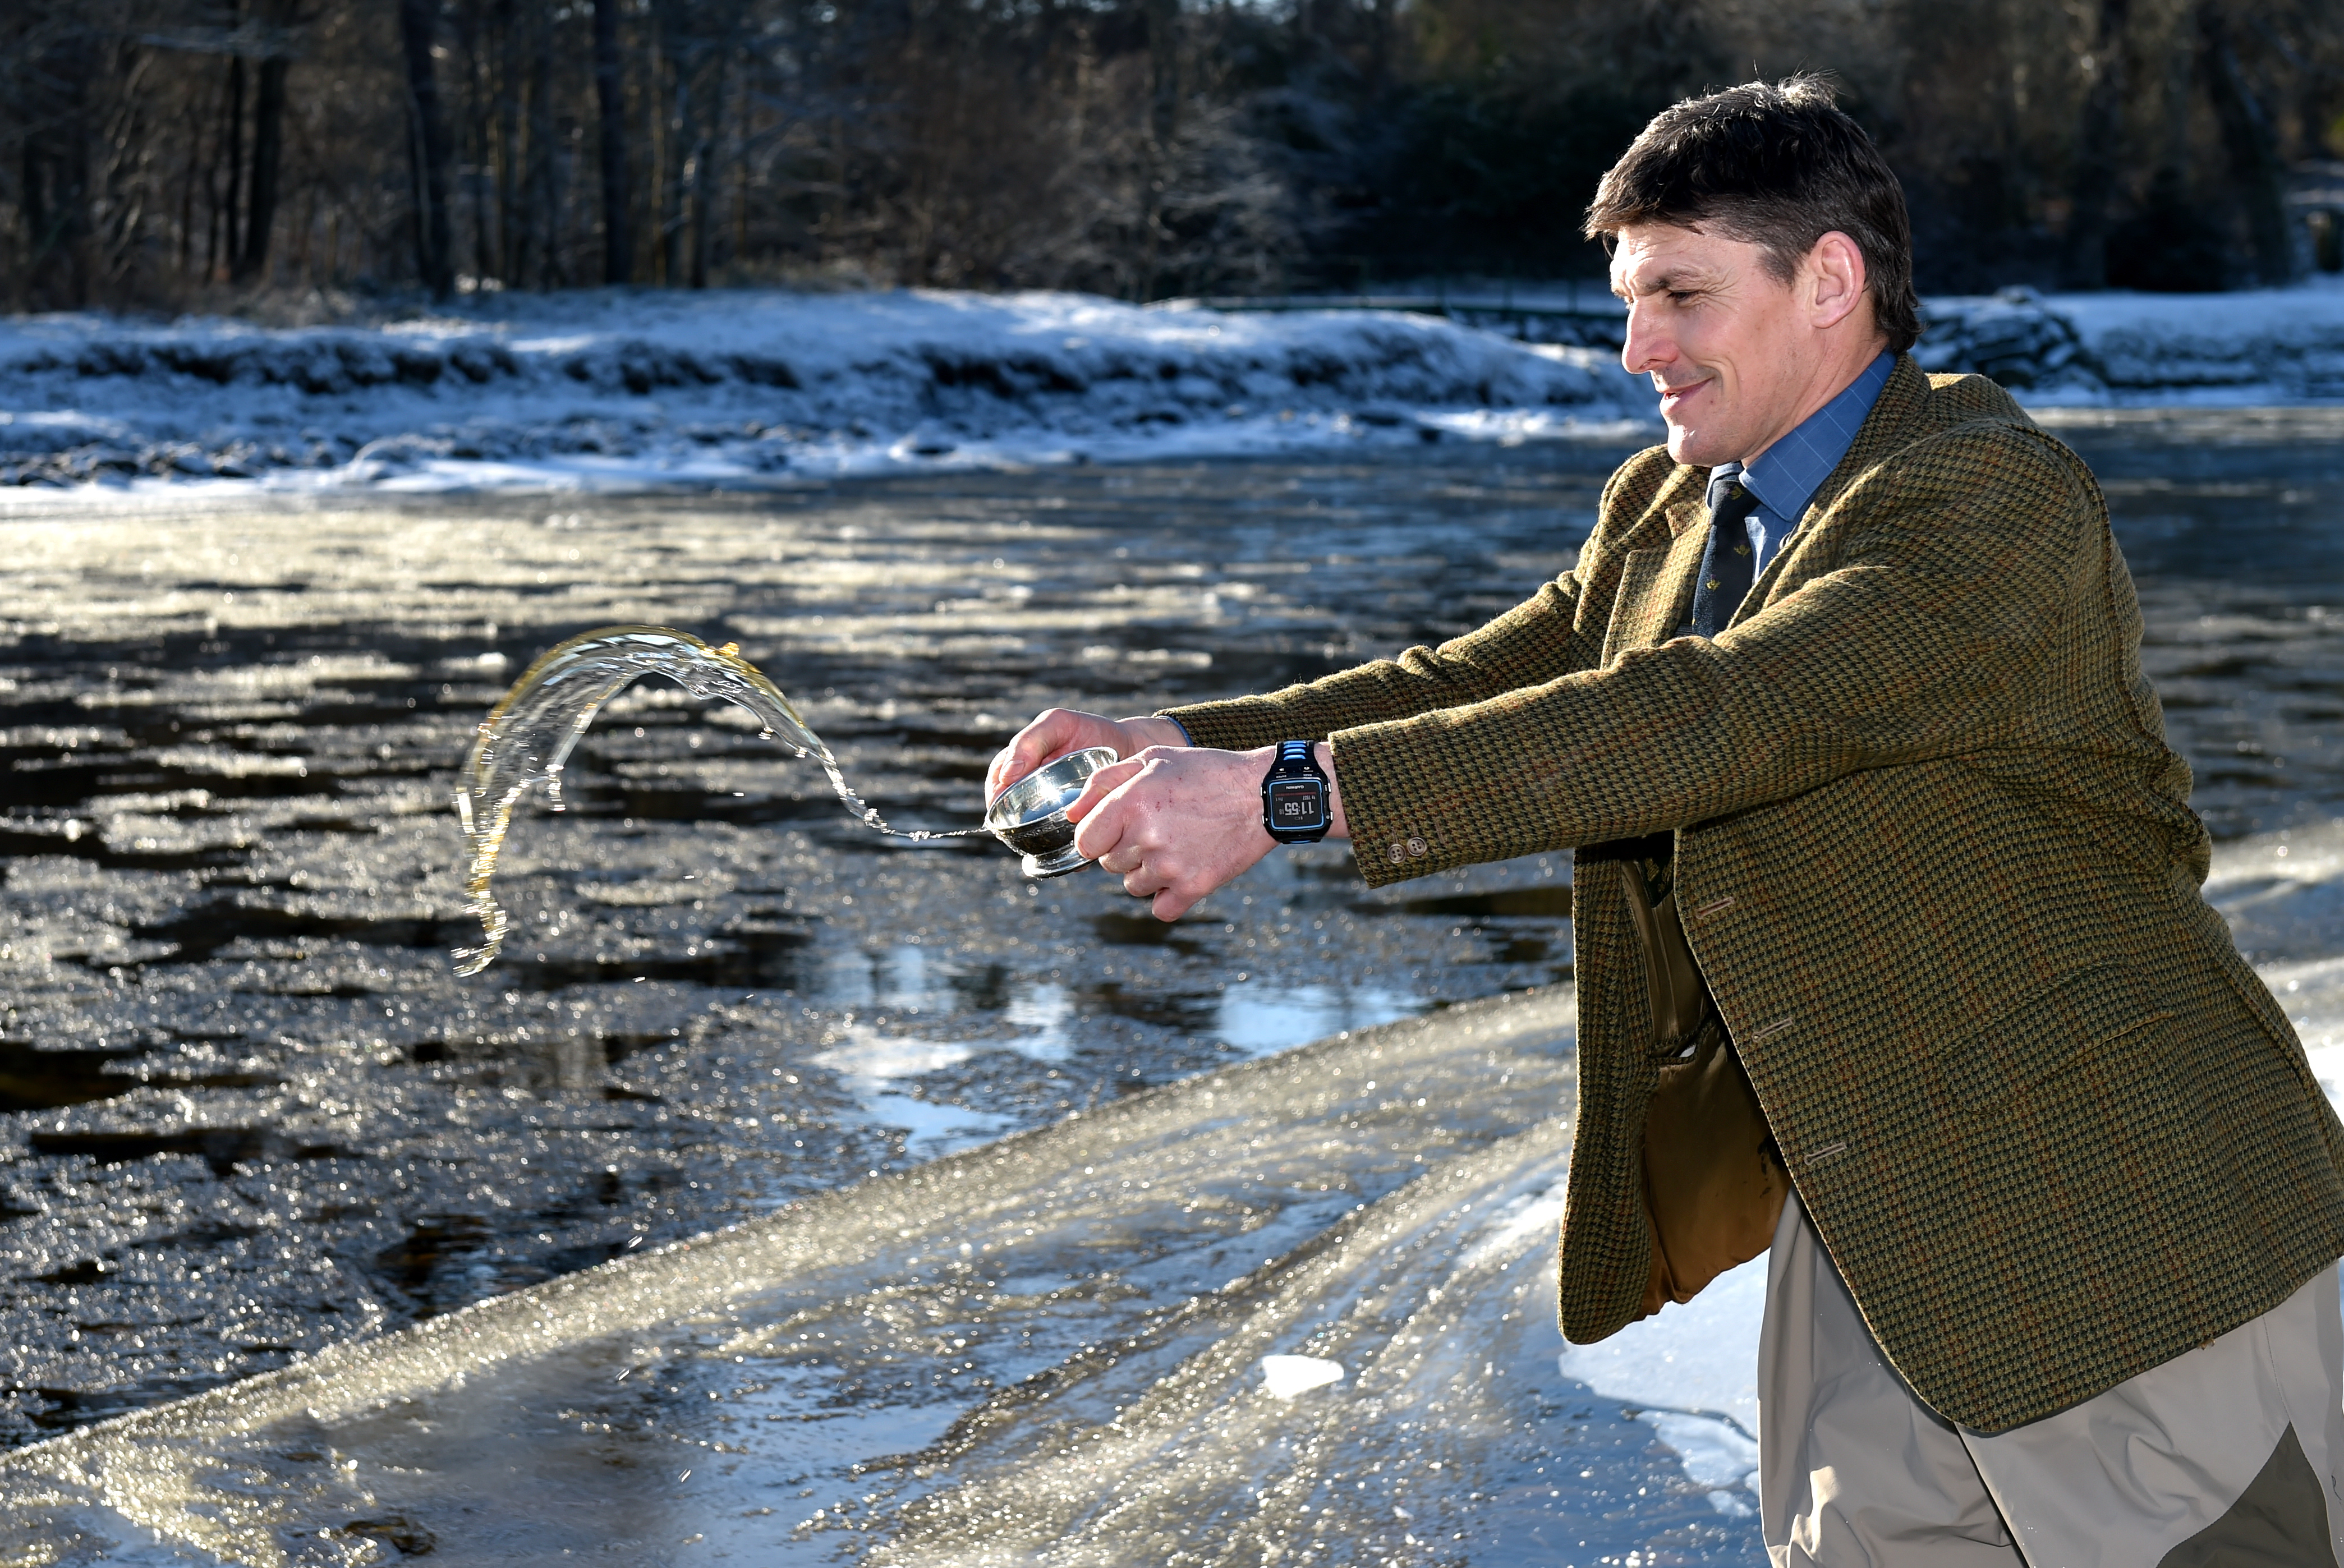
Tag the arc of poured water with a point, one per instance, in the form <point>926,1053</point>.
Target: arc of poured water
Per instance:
<point>527,739</point>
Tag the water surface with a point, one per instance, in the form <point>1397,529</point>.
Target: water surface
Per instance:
<point>255,1114</point>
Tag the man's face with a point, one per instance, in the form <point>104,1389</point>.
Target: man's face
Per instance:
<point>1730,347</point>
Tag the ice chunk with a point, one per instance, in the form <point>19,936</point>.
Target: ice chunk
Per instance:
<point>1287,1376</point>
<point>1702,1355</point>
<point>867,1054</point>
<point>1716,1453</point>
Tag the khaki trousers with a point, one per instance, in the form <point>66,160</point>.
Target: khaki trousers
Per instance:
<point>2229,1456</point>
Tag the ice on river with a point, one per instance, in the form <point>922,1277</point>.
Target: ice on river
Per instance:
<point>802,1384</point>
<point>603,391</point>
<point>1288,1377</point>
<point>1302,1307</point>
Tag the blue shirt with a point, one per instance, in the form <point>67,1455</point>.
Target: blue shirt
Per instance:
<point>1786,476</point>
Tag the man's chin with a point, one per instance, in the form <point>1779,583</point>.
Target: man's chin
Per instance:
<point>1698,446</point>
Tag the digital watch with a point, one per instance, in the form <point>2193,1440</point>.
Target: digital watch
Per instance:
<point>1295,805</point>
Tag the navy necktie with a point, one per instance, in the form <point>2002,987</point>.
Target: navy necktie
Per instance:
<point>1728,564</point>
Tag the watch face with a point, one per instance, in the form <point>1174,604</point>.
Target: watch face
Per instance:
<point>1298,803</point>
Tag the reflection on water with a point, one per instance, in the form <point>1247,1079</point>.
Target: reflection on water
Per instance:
<point>257,1115</point>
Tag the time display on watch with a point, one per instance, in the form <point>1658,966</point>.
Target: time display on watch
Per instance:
<point>1295,805</point>
<point>1298,803</point>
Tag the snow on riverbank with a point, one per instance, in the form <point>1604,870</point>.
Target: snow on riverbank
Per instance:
<point>626,389</point>
<point>621,389</point>
<point>2256,346</point>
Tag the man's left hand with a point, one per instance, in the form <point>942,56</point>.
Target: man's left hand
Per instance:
<point>1174,823</point>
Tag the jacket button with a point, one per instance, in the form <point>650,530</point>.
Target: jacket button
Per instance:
<point>1416,847</point>
<point>1398,853</point>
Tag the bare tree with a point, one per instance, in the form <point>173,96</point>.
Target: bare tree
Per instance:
<point>2100,152</point>
<point>428,146</point>
<point>267,139</point>
<point>2248,138</point>
<point>611,94</point>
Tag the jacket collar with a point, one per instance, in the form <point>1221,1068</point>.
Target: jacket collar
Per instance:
<point>1903,402</point>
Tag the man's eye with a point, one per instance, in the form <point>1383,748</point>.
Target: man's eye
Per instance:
<point>1678,295</point>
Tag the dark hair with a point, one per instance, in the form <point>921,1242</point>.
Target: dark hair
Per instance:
<point>1774,164</point>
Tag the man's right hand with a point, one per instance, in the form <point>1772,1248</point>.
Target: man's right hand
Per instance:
<point>1062,730</point>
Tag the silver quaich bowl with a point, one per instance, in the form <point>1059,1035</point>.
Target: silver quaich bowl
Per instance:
<point>1030,815</point>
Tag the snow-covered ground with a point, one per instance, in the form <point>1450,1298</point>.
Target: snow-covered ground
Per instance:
<point>613,389</point>
<point>2256,346</point>
<point>616,389</point>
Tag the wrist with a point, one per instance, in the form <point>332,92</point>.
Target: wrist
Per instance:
<point>1338,825</point>
<point>1142,730</point>
<point>1301,802</point>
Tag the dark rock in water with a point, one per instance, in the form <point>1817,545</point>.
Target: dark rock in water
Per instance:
<point>2014,338</point>
<point>223,1148</point>
<point>403,1535</point>
<point>32,1078</point>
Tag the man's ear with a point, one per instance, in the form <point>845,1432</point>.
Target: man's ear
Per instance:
<point>1835,278</point>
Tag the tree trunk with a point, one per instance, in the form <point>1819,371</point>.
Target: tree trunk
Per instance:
<point>427,149</point>
<point>544,198</point>
<point>2251,144</point>
<point>235,234</point>
<point>1163,18</point>
<point>610,93</point>
<point>516,190</point>
<point>54,203</point>
<point>187,191</point>
<point>267,157</point>
<point>56,219</point>
<point>1164,71</point>
<point>2084,261</point>
<point>671,139</point>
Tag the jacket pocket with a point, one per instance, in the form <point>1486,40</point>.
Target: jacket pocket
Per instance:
<point>2043,1031</point>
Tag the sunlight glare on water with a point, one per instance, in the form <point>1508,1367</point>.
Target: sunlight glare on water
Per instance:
<point>258,1120</point>
<point>1382,1201</point>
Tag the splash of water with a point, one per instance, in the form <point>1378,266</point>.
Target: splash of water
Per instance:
<point>527,739</point>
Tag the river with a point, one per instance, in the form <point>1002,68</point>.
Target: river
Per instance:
<point>1021,1185</point>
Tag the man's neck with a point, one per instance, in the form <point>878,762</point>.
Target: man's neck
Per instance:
<point>1833,374</point>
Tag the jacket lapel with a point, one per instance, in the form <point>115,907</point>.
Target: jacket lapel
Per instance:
<point>1656,584</point>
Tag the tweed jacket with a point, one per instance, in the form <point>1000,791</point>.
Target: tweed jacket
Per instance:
<point>1937,865</point>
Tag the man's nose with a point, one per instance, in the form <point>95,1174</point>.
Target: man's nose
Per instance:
<point>1647,345</point>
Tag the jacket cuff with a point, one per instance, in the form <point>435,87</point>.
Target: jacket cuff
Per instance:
<point>1240,724</point>
<point>1414,807</point>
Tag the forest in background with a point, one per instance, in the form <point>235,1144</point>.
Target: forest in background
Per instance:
<point>302,157</point>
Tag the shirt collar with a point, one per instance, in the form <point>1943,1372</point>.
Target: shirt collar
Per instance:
<point>1788,474</point>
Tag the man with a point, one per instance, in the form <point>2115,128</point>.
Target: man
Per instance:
<point>1844,687</point>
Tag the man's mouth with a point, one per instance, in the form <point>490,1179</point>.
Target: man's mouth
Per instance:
<point>1671,396</point>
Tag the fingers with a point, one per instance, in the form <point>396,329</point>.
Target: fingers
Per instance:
<point>1174,823</point>
<point>1170,905</point>
<point>1029,749</point>
<point>1103,784</point>
<point>1053,734</point>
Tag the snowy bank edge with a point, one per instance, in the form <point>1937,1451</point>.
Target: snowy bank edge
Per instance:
<point>612,390</point>
<point>620,391</point>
